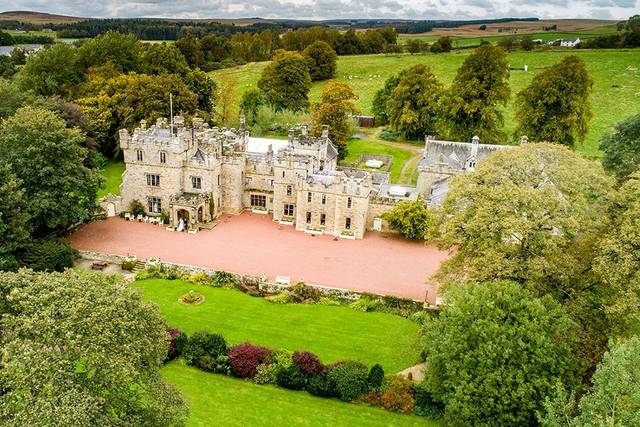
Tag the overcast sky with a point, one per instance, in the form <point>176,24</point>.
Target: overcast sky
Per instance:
<point>330,9</point>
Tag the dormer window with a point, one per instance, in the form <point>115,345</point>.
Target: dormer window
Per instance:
<point>163,157</point>
<point>139,155</point>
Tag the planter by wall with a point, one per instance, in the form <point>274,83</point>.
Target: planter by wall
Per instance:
<point>315,232</point>
<point>258,211</point>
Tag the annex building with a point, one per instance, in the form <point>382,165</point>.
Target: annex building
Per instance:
<point>195,174</point>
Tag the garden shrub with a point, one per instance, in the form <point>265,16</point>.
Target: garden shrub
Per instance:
<point>200,279</point>
<point>398,395</point>
<point>278,360</point>
<point>222,278</point>
<point>387,135</point>
<point>181,342</point>
<point>128,264</point>
<point>174,350</point>
<point>47,255</point>
<point>281,298</point>
<point>203,343</point>
<point>376,376</point>
<point>365,304</point>
<point>263,374</point>
<point>8,262</point>
<point>328,301</point>
<point>350,380</point>
<point>308,362</point>
<point>291,377</point>
<point>425,405</point>
<point>245,358</point>
<point>301,292</point>
<point>136,208</point>
<point>320,385</point>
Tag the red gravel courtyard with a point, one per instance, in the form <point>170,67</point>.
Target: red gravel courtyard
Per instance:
<point>255,244</point>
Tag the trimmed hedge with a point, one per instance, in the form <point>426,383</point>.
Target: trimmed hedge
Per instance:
<point>245,359</point>
<point>350,380</point>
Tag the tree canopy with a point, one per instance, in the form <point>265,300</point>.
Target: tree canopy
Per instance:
<point>158,58</point>
<point>495,351</point>
<point>15,226</point>
<point>47,158</point>
<point>54,71</point>
<point>81,349</point>
<point>555,107</point>
<point>381,98</point>
<point>120,50</point>
<point>622,148</point>
<point>479,88</point>
<point>286,82</point>
<point>414,104</point>
<point>337,104</point>
<point>411,218</point>
<point>321,59</point>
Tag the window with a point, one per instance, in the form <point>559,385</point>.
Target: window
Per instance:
<point>289,190</point>
<point>248,180</point>
<point>258,200</point>
<point>153,180</point>
<point>270,183</point>
<point>321,165</point>
<point>283,174</point>
<point>139,155</point>
<point>347,224</point>
<point>218,181</point>
<point>324,199</point>
<point>323,219</point>
<point>154,204</point>
<point>309,197</point>
<point>308,217</point>
<point>288,209</point>
<point>196,182</point>
<point>349,202</point>
<point>163,157</point>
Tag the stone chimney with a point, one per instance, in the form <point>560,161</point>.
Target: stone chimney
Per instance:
<point>178,121</point>
<point>304,129</point>
<point>325,131</point>
<point>291,136</point>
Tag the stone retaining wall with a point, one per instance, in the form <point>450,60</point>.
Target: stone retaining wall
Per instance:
<point>263,284</point>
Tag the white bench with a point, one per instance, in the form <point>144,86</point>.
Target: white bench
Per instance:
<point>283,280</point>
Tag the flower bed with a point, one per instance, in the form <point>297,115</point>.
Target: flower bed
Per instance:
<point>348,380</point>
<point>314,230</point>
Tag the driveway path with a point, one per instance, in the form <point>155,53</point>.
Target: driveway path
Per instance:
<point>254,244</point>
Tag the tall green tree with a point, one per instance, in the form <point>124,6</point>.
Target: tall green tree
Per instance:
<point>158,58</point>
<point>7,67</point>
<point>336,106</point>
<point>622,148</point>
<point>495,352</point>
<point>381,97</point>
<point>286,82</point>
<point>203,86</point>
<point>80,349</point>
<point>123,51</point>
<point>618,258</point>
<point>412,219</point>
<point>414,104</point>
<point>53,71</point>
<point>321,59</point>
<point>191,50</point>
<point>474,99</point>
<point>555,107</point>
<point>47,158</point>
<point>251,101</point>
<point>15,227</point>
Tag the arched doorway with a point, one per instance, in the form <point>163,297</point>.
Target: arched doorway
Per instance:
<point>184,215</point>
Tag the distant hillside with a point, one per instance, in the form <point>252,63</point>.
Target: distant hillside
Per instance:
<point>38,17</point>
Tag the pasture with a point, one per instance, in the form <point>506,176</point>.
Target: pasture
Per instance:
<point>615,74</point>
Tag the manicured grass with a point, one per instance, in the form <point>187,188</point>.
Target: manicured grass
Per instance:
<point>616,76</point>
<point>358,147</point>
<point>333,333</point>
<point>216,400</point>
<point>113,178</point>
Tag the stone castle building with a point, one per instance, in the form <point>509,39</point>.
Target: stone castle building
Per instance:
<point>197,173</point>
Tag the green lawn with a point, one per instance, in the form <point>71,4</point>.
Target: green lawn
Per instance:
<point>216,400</point>
<point>358,147</point>
<point>616,76</point>
<point>113,177</point>
<point>333,333</point>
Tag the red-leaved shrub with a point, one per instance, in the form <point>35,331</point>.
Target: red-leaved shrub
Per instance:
<point>245,358</point>
<point>308,362</point>
<point>174,350</point>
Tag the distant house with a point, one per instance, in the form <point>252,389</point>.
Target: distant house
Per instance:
<point>31,49</point>
<point>569,42</point>
<point>47,30</point>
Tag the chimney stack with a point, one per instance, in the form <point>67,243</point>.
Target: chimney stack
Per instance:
<point>325,131</point>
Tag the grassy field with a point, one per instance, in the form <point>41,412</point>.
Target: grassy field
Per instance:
<point>223,401</point>
<point>358,147</point>
<point>616,76</point>
<point>333,333</point>
<point>113,177</point>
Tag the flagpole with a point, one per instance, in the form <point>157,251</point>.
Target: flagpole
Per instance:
<point>171,109</point>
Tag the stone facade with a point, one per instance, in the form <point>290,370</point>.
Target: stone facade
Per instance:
<point>445,159</point>
<point>198,173</point>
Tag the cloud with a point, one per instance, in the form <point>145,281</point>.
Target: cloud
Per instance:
<point>330,9</point>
